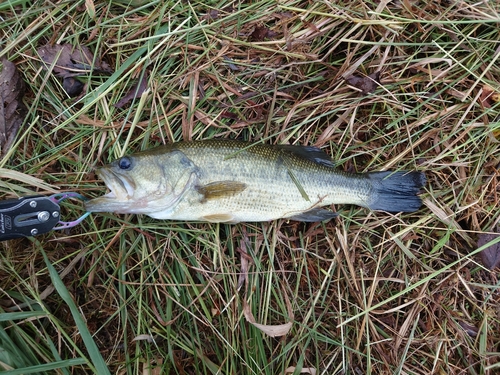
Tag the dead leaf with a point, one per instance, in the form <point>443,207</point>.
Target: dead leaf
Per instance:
<point>213,14</point>
<point>90,6</point>
<point>229,115</point>
<point>490,256</point>
<point>72,61</point>
<point>268,329</point>
<point>488,96</point>
<point>144,337</point>
<point>471,330</point>
<point>12,109</point>
<point>367,84</point>
<point>152,366</point>
<point>260,33</point>
<point>72,86</point>
<point>135,91</point>
<point>230,64</point>
<point>243,278</point>
<point>133,3</point>
<point>303,370</point>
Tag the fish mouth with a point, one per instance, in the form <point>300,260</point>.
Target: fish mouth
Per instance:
<point>121,190</point>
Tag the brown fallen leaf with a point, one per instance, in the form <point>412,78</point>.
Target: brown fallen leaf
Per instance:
<point>489,96</point>
<point>214,14</point>
<point>70,62</point>
<point>229,115</point>
<point>269,329</point>
<point>471,329</point>
<point>72,86</point>
<point>135,91</point>
<point>272,330</point>
<point>12,109</point>
<point>230,63</point>
<point>367,84</point>
<point>245,260</point>
<point>260,33</point>
<point>303,370</point>
<point>490,256</point>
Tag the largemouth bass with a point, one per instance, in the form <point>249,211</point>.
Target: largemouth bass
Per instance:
<point>233,181</point>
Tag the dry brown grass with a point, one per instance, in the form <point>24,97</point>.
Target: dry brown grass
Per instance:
<point>369,293</point>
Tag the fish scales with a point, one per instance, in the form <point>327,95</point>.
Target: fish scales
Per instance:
<point>270,192</point>
<point>234,181</point>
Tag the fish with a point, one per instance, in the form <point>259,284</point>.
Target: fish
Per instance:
<point>231,181</point>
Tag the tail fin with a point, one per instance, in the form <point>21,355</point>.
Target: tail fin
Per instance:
<point>396,191</point>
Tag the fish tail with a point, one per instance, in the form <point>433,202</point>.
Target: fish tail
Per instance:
<point>396,191</point>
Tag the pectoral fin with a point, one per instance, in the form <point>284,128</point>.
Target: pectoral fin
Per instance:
<point>220,189</point>
<point>316,214</point>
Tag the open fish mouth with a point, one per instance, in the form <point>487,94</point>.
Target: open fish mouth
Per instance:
<point>121,191</point>
<point>121,188</point>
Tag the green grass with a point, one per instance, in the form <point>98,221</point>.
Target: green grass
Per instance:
<point>369,293</point>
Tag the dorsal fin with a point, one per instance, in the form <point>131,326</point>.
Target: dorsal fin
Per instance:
<point>310,153</point>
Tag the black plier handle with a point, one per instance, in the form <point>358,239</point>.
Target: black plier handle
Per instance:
<point>27,216</point>
<point>33,215</point>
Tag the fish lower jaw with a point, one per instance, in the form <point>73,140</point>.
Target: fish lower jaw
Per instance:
<point>107,204</point>
<point>110,195</point>
<point>122,196</point>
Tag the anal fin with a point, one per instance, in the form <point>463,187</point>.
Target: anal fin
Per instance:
<point>314,215</point>
<point>219,218</point>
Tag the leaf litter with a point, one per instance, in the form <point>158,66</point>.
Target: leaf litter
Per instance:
<point>135,91</point>
<point>490,256</point>
<point>450,141</point>
<point>489,96</point>
<point>261,32</point>
<point>366,84</point>
<point>12,108</point>
<point>72,61</point>
<point>271,330</point>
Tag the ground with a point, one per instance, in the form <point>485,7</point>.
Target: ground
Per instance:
<point>377,85</point>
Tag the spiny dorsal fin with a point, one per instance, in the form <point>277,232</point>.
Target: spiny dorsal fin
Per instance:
<point>221,189</point>
<point>310,153</point>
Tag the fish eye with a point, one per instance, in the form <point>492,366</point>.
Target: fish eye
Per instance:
<point>125,163</point>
